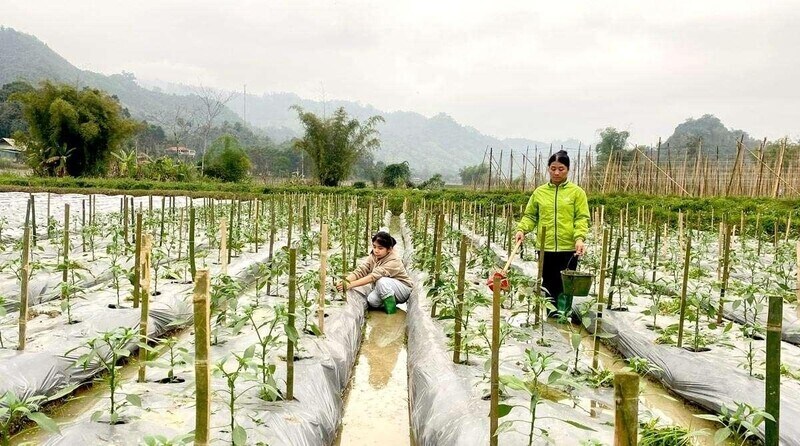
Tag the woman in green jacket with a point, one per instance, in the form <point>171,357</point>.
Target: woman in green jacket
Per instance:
<point>561,207</point>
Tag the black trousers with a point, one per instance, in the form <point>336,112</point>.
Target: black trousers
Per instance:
<point>554,263</point>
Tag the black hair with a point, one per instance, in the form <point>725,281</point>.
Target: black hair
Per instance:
<point>561,156</point>
<point>382,238</point>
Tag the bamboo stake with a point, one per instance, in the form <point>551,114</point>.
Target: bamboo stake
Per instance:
<point>202,345</point>
<point>539,269</point>
<point>25,270</point>
<point>35,237</point>
<point>137,259</point>
<point>626,409</point>
<point>686,260</point>
<point>147,246</point>
<point>495,366</point>
<point>462,269</point>
<point>725,271</point>
<point>773,371</point>
<point>290,324</point>
<point>65,272</point>
<point>323,269</point>
<point>437,264</point>
<point>192,262</point>
<point>223,246</point>
<point>779,168</point>
<point>797,290</point>
<point>599,314</point>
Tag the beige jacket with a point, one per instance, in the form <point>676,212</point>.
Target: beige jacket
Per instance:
<point>389,266</point>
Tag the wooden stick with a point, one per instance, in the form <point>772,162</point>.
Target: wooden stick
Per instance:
<point>323,269</point>
<point>290,323</point>
<point>773,371</point>
<point>726,250</point>
<point>462,269</point>
<point>601,290</point>
<point>202,345</point>
<point>137,259</point>
<point>495,366</point>
<point>25,270</point>
<point>192,261</point>
<point>539,272</point>
<point>65,272</point>
<point>686,261</point>
<point>223,249</point>
<point>626,409</point>
<point>147,246</point>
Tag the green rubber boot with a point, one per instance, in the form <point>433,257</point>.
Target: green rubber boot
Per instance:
<point>390,304</point>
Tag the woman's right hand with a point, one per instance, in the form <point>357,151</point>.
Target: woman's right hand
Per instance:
<point>519,237</point>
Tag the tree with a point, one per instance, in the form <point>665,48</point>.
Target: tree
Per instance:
<point>72,131</point>
<point>230,163</point>
<point>11,117</point>
<point>611,141</point>
<point>335,144</point>
<point>213,103</point>
<point>397,175</point>
<point>476,174</point>
<point>433,183</point>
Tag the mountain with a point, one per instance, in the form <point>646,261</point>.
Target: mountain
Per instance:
<point>709,134</point>
<point>24,57</point>
<point>437,144</point>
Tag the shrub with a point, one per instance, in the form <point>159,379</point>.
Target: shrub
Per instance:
<point>232,165</point>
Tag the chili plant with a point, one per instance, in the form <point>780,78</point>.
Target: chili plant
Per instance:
<point>175,356</point>
<point>240,370</point>
<point>14,410</point>
<point>268,341</point>
<point>70,289</point>
<point>307,283</point>
<point>539,367</point>
<point>741,423</point>
<point>106,351</point>
<point>115,250</point>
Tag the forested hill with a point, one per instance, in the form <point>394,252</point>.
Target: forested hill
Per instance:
<point>437,144</point>
<point>24,57</point>
<point>708,133</point>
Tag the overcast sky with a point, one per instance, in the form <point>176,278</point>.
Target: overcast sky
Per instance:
<point>535,69</point>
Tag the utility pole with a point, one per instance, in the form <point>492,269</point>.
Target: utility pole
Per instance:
<point>244,111</point>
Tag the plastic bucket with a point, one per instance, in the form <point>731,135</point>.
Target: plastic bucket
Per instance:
<point>576,283</point>
<point>390,305</point>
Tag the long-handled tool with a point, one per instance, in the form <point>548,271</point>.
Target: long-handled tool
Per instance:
<point>502,274</point>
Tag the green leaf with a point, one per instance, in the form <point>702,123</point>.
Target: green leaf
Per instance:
<point>134,399</point>
<point>44,422</point>
<point>239,436</point>
<point>721,435</point>
<point>291,333</point>
<point>503,410</point>
<point>513,382</point>
<point>96,415</point>
<point>579,425</point>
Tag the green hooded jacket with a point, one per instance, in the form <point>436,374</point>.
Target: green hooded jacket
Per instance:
<point>563,210</point>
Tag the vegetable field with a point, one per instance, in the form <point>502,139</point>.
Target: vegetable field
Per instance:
<point>168,320</point>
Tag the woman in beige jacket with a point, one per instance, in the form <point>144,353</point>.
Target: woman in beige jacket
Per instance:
<point>385,270</point>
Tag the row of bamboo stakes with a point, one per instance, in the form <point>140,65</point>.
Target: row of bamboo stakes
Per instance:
<point>656,171</point>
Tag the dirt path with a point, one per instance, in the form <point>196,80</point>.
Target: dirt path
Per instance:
<point>376,404</point>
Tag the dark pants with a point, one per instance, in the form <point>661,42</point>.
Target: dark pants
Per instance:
<point>554,263</point>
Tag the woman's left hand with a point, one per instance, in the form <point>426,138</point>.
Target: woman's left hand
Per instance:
<point>580,248</point>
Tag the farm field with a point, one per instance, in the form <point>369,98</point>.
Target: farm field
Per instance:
<point>124,344</point>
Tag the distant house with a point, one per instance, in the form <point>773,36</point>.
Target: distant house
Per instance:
<point>180,151</point>
<point>10,151</point>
